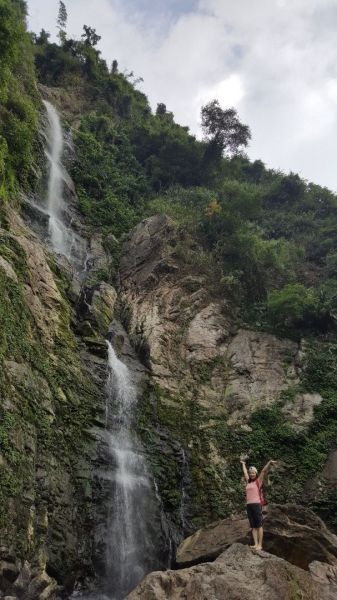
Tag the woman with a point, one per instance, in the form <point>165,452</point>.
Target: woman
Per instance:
<point>253,499</point>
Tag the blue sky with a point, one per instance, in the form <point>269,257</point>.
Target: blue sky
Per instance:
<point>273,60</point>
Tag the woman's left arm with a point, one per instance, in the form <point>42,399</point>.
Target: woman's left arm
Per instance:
<point>265,469</point>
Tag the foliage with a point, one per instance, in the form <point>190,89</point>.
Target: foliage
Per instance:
<point>223,129</point>
<point>62,22</point>
<point>18,103</point>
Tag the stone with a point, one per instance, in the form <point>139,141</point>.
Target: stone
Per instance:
<point>102,306</point>
<point>258,375</point>
<point>31,384</point>
<point>326,575</point>
<point>8,570</point>
<point>22,581</point>
<point>206,334</point>
<point>7,268</point>
<point>98,257</point>
<point>237,574</point>
<point>144,249</point>
<point>300,410</point>
<point>292,532</point>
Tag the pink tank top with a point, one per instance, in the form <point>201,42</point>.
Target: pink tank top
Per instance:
<point>252,493</point>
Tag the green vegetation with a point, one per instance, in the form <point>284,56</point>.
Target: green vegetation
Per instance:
<point>264,241</point>
<point>18,100</point>
<point>263,233</point>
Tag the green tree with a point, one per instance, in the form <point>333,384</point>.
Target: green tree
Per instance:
<point>223,130</point>
<point>62,22</point>
<point>90,36</point>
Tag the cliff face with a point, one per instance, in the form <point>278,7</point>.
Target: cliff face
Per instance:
<point>203,376</point>
<point>210,375</point>
<point>52,413</point>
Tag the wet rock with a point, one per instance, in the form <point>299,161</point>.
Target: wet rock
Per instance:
<point>102,307</point>
<point>95,308</point>
<point>290,531</point>
<point>99,259</point>
<point>8,571</point>
<point>237,574</point>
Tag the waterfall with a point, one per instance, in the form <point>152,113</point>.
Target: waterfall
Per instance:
<point>130,549</point>
<point>62,237</point>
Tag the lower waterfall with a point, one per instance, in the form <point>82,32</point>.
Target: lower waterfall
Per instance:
<point>130,549</point>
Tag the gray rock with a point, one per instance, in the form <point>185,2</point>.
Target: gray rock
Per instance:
<point>292,532</point>
<point>237,574</point>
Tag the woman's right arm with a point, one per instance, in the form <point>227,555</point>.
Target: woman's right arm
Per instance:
<point>244,469</point>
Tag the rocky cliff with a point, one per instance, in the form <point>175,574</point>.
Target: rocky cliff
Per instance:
<point>300,561</point>
<point>183,298</point>
<point>52,417</point>
<point>212,377</point>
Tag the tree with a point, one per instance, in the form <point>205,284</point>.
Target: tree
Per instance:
<point>161,109</point>
<point>114,67</point>
<point>62,22</point>
<point>42,38</point>
<point>223,130</point>
<point>90,36</point>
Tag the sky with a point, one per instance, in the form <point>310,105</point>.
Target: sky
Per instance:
<point>275,61</point>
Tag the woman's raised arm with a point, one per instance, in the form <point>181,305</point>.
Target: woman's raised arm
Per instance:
<point>244,469</point>
<point>265,469</point>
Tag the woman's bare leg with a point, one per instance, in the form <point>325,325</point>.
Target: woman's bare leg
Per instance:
<point>259,532</point>
<point>255,538</point>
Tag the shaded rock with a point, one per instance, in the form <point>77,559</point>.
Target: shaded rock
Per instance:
<point>329,472</point>
<point>237,574</point>
<point>145,249</point>
<point>300,410</point>
<point>8,571</point>
<point>102,306</point>
<point>95,308</point>
<point>99,259</point>
<point>290,531</point>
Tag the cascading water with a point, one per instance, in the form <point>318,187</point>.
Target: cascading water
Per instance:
<point>62,237</point>
<point>131,552</point>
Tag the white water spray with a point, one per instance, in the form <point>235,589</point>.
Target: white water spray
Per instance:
<point>130,550</point>
<point>63,238</point>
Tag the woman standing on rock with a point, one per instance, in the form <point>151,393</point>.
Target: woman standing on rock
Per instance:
<point>254,500</point>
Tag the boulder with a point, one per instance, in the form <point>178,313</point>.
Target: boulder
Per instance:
<point>326,575</point>
<point>292,532</point>
<point>237,574</point>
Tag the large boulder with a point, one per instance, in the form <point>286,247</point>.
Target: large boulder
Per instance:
<point>237,574</point>
<point>292,532</point>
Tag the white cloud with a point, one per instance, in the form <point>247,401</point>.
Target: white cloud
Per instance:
<point>275,60</point>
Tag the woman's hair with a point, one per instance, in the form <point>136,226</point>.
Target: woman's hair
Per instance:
<point>255,471</point>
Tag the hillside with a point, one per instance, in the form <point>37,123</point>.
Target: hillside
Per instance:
<point>214,279</point>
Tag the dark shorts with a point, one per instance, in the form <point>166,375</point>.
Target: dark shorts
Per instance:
<point>254,513</point>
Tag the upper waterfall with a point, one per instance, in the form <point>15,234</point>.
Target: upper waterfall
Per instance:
<point>63,239</point>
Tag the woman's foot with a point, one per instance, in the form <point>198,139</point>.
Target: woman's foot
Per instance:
<point>253,547</point>
<point>258,547</point>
